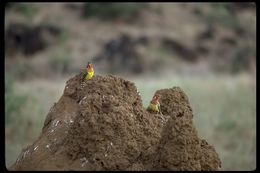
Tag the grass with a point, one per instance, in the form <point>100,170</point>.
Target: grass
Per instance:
<point>224,113</point>
<point>23,130</point>
<point>13,101</point>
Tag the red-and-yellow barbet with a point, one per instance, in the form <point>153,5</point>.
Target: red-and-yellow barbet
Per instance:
<point>90,72</point>
<point>154,104</point>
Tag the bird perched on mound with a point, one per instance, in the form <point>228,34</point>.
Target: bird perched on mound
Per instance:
<point>155,107</point>
<point>90,72</point>
<point>154,104</point>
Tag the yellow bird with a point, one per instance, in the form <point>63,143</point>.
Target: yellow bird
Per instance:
<point>154,103</point>
<point>90,72</point>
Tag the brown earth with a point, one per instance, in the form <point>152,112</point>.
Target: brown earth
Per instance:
<point>101,124</point>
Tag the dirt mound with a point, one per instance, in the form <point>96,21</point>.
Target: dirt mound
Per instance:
<point>101,124</point>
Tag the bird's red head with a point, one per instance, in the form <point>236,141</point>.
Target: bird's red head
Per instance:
<point>156,97</point>
<point>89,66</point>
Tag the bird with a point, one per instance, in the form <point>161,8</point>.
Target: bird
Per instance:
<point>154,104</point>
<point>90,72</point>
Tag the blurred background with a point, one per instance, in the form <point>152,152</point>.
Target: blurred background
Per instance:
<point>207,49</point>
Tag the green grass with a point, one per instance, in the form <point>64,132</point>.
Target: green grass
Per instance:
<point>24,129</point>
<point>13,101</point>
<point>224,113</point>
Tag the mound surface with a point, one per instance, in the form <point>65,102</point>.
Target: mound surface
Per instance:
<point>101,124</point>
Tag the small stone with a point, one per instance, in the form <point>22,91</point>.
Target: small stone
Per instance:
<point>35,148</point>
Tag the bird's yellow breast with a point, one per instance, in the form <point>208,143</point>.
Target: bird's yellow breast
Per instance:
<point>154,107</point>
<point>89,75</point>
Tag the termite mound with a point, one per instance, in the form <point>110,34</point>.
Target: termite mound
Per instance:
<point>101,124</point>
